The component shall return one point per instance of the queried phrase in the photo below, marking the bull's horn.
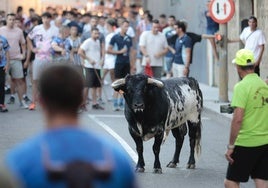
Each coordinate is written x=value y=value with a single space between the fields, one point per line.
x=118 y=83
x=155 y=82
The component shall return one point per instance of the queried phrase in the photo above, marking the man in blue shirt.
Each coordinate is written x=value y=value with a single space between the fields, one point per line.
x=120 y=45
x=183 y=47
x=4 y=64
x=53 y=158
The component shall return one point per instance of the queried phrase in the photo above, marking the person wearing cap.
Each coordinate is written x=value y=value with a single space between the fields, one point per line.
x=254 y=39
x=247 y=150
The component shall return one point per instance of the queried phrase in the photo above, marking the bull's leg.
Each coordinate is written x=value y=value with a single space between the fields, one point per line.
x=195 y=136
x=156 y=149
x=139 y=148
x=179 y=134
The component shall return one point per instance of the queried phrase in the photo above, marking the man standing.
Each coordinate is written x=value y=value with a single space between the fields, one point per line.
x=86 y=35
x=16 y=40
x=154 y=47
x=41 y=35
x=169 y=32
x=109 y=60
x=91 y=53
x=123 y=44
x=53 y=158
x=247 y=151
x=254 y=40
x=183 y=48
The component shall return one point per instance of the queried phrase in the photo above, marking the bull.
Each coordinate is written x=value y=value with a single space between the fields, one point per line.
x=154 y=107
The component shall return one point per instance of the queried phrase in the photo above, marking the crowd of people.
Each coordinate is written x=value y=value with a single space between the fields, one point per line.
x=94 y=45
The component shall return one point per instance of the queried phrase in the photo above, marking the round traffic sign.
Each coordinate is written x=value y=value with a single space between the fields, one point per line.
x=221 y=11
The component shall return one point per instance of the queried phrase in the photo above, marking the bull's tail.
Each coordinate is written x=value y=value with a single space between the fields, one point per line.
x=197 y=148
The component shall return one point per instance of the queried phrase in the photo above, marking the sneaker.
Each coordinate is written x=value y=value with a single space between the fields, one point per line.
x=116 y=109
x=26 y=99
x=121 y=107
x=3 y=108
x=32 y=106
x=7 y=91
x=97 y=107
x=100 y=101
x=11 y=100
x=23 y=104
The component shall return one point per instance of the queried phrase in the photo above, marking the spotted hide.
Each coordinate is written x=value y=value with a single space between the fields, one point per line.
x=155 y=107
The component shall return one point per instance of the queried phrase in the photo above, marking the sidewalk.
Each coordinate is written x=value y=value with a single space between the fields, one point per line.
x=211 y=99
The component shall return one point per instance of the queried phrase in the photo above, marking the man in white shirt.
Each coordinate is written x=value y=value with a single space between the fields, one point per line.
x=42 y=36
x=254 y=40
x=91 y=53
x=153 y=46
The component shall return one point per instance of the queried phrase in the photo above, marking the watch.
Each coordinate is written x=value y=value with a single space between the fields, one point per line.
x=230 y=146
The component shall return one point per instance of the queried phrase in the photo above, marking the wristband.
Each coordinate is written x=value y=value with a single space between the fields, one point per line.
x=230 y=146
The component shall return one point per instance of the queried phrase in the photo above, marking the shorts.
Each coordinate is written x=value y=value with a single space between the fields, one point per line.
x=121 y=70
x=168 y=64
x=109 y=64
x=212 y=30
x=177 y=70
x=92 y=80
x=16 y=69
x=38 y=66
x=248 y=161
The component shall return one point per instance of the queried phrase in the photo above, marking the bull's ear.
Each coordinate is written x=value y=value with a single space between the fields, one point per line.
x=119 y=84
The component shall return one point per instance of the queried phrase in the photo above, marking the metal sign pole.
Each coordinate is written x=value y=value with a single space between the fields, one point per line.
x=222 y=11
x=223 y=67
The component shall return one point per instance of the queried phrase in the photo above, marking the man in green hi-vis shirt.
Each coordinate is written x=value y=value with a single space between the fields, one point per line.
x=247 y=151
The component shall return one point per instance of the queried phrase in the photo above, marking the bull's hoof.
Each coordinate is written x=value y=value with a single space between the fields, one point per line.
x=157 y=170
x=172 y=165
x=140 y=170
x=191 y=166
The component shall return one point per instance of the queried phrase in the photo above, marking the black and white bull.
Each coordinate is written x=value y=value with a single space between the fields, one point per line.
x=155 y=107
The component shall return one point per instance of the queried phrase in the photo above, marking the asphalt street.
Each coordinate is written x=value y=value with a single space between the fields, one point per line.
x=19 y=124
